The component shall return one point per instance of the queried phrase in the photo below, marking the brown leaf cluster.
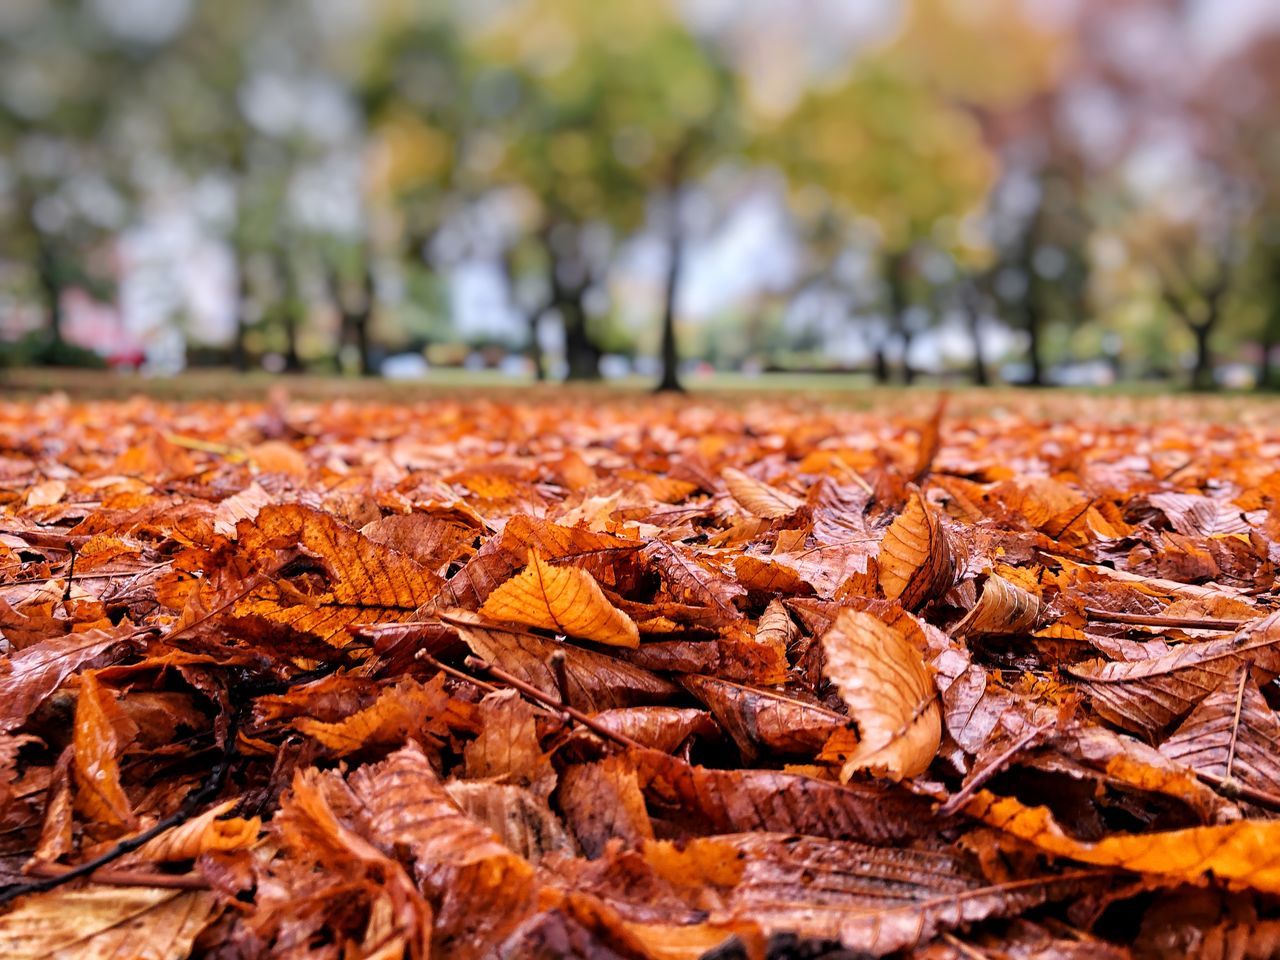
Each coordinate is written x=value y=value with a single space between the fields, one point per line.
x=496 y=679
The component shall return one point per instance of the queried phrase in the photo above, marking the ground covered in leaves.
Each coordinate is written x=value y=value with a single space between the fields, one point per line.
x=636 y=680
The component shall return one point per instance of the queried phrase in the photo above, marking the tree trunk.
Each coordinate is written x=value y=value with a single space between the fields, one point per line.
x=582 y=356
x=567 y=293
x=1270 y=340
x=895 y=267
x=908 y=371
x=360 y=320
x=239 y=349
x=534 y=350
x=972 y=301
x=289 y=315
x=880 y=365
x=1202 y=372
x=670 y=382
x=1031 y=313
x=50 y=280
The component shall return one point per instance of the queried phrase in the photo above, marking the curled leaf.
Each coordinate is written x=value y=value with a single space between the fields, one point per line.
x=208 y=831
x=915 y=557
x=1002 y=609
x=890 y=694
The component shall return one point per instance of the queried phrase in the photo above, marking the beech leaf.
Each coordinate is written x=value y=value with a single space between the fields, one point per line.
x=891 y=698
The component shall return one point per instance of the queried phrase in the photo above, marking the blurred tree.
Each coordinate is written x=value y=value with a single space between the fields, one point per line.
x=884 y=145
x=68 y=136
x=612 y=105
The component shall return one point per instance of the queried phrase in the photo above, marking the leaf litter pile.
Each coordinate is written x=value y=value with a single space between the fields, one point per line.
x=633 y=680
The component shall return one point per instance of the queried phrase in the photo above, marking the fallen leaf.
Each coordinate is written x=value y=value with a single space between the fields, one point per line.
x=891 y=697
x=564 y=599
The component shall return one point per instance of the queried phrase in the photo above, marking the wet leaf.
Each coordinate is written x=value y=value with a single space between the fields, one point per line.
x=149 y=923
x=1241 y=853
x=915 y=556
x=564 y=599
x=891 y=697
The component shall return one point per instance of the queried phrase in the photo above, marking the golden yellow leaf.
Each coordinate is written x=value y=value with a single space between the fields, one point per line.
x=757 y=497
x=94 y=922
x=408 y=708
x=1242 y=853
x=564 y=599
x=201 y=834
x=891 y=696
x=915 y=559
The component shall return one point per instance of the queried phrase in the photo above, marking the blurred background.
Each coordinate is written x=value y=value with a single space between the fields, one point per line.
x=1077 y=192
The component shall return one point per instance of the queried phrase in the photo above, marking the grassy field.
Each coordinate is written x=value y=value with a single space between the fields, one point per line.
x=1138 y=401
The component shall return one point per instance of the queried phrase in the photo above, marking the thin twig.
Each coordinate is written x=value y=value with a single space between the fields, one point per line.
x=958 y=800
x=529 y=690
x=71 y=572
x=1235 y=724
x=455 y=672
x=125 y=878
x=1234 y=788
x=1158 y=620
x=209 y=789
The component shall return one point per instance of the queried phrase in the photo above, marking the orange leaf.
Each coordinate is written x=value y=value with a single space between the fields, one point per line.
x=102 y=730
x=915 y=558
x=891 y=696
x=1243 y=853
x=564 y=599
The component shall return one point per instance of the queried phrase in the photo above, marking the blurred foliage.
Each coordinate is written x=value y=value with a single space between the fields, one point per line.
x=1035 y=181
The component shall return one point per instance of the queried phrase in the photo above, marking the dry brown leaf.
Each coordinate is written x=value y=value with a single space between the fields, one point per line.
x=365 y=580
x=1003 y=609
x=703 y=800
x=602 y=801
x=564 y=599
x=915 y=556
x=1232 y=735
x=1147 y=696
x=478 y=887
x=520 y=819
x=766 y=719
x=891 y=697
x=507 y=747
x=595 y=681
x=759 y=498
x=97 y=921
x=421 y=710
x=37 y=671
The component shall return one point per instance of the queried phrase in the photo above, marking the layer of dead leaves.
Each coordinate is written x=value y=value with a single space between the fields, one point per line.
x=637 y=681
